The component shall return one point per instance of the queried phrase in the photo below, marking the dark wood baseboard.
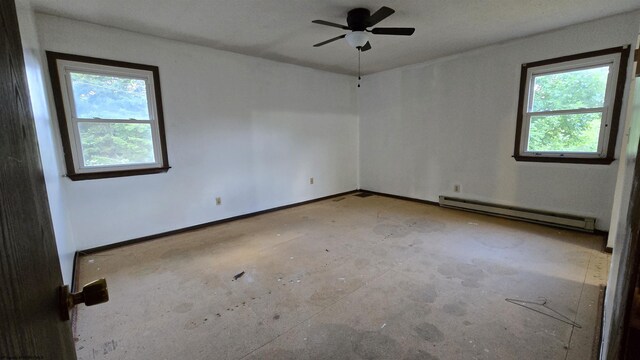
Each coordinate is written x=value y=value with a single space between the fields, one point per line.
x=603 y=233
x=434 y=203
x=200 y=226
x=608 y=250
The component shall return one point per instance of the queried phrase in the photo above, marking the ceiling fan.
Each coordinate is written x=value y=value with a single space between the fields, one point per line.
x=358 y=21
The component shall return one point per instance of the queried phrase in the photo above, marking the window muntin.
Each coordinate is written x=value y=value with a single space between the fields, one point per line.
x=568 y=107
x=112 y=117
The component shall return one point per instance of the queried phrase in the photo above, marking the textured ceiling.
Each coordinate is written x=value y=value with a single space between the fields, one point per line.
x=281 y=30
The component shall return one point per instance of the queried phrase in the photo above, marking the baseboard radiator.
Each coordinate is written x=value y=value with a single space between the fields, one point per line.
x=581 y=223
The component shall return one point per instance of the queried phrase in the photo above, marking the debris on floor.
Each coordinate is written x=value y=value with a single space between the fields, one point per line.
x=238 y=276
x=388 y=280
x=542 y=302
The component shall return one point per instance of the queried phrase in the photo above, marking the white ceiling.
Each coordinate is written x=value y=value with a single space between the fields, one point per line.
x=281 y=30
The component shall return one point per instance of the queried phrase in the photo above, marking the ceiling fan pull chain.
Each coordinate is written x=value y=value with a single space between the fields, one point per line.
x=359 y=51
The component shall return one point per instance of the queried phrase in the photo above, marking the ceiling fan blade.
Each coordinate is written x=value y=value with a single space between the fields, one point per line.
x=393 y=31
x=379 y=15
x=322 y=22
x=366 y=47
x=330 y=40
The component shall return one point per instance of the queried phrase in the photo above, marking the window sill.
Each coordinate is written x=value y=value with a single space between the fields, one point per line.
x=119 y=173
x=563 y=159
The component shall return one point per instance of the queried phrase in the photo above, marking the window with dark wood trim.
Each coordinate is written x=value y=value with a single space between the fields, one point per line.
x=110 y=116
x=569 y=107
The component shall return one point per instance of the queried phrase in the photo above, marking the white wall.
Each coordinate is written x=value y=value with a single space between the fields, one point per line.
x=253 y=131
x=46 y=132
x=248 y=130
x=426 y=127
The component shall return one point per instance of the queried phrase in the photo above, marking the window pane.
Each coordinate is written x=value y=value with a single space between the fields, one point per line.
x=565 y=133
x=109 y=97
x=116 y=144
x=578 y=89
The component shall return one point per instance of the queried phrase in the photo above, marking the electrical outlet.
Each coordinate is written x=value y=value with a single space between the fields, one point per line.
x=311 y=180
x=457 y=188
x=218 y=201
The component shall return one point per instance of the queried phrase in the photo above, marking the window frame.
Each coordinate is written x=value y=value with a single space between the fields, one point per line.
x=618 y=58
x=60 y=64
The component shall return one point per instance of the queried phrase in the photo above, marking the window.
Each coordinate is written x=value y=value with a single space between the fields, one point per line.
x=110 y=116
x=569 y=107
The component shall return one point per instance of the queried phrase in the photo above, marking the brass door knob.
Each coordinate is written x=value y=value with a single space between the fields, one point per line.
x=93 y=293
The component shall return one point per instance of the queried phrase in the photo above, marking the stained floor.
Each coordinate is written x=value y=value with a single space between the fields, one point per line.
x=349 y=278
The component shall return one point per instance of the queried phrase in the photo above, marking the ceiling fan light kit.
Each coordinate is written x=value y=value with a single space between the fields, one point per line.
x=357 y=39
x=358 y=21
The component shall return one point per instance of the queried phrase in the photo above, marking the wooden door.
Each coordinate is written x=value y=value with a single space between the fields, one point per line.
x=631 y=330
x=30 y=325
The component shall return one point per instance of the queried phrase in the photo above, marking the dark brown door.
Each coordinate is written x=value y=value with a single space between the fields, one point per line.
x=632 y=316
x=30 y=325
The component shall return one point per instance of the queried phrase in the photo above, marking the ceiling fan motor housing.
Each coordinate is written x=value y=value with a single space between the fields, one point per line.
x=357 y=19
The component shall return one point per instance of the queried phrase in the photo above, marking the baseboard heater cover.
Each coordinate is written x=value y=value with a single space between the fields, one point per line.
x=536 y=216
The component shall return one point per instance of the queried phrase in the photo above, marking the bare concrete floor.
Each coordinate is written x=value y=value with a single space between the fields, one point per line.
x=348 y=278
